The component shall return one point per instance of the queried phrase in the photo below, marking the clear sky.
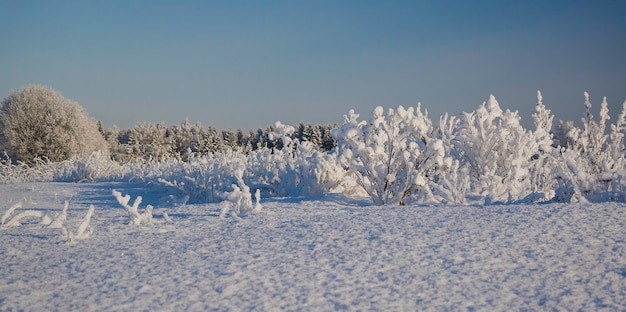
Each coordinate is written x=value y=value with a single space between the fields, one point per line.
x=245 y=64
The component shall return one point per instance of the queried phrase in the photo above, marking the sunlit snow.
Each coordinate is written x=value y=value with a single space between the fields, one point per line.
x=319 y=253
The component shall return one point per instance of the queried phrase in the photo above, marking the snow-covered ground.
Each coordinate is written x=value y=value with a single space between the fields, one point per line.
x=318 y=254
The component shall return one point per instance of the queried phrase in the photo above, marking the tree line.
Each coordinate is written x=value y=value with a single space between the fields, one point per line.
x=148 y=140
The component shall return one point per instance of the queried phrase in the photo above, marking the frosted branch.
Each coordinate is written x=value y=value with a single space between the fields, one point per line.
x=8 y=213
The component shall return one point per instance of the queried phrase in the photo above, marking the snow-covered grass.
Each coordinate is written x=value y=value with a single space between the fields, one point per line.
x=320 y=253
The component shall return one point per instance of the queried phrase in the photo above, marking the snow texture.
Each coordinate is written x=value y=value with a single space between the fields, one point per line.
x=324 y=253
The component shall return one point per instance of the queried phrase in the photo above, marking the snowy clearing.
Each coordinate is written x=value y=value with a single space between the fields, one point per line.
x=319 y=254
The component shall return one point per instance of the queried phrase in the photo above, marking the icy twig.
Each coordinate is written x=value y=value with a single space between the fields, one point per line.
x=59 y=220
x=257 y=197
x=133 y=211
x=167 y=218
x=8 y=213
x=45 y=220
x=26 y=214
x=85 y=224
x=84 y=229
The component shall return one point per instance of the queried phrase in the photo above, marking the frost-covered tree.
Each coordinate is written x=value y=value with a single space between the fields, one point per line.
x=392 y=155
x=38 y=121
x=230 y=138
x=117 y=139
x=328 y=143
x=182 y=138
x=148 y=140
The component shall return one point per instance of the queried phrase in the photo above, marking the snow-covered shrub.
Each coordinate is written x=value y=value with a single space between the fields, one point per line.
x=39 y=122
x=593 y=160
x=452 y=185
x=201 y=179
x=40 y=170
x=239 y=200
x=83 y=231
x=298 y=168
x=117 y=139
x=542 y=166
x=392 y=155
x=319 y=172
x=95 y=167
x=498 y=152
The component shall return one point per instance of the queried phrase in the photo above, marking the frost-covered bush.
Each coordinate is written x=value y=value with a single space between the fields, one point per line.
x=40 y=170
x=495 y=158
x=392 y=155
x=497 y=151
x=298 y=168
x=201 y=179
x=39 y=122
x=452 y=185
x=208 y=178
x=95 y=167
x=396 y=156
x=592 y=162
x=239 y=200
x=543 y=164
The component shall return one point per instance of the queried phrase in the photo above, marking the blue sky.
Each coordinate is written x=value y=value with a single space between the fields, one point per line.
x=246 y=64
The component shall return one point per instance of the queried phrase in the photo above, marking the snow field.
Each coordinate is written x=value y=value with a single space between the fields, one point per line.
x=322 y=254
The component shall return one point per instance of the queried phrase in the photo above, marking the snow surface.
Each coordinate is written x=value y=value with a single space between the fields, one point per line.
x=319 y=254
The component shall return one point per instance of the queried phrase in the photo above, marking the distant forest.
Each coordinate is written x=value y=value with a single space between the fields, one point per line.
x=155 y=141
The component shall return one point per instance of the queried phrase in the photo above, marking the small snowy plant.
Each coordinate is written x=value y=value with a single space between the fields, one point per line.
x=392 y=155
x=15 y=221
x=59 y=219
x=84 y=230
x=239 y=200
x=136 y=218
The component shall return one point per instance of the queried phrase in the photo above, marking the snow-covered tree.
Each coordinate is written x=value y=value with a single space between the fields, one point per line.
x=148 y=140
x=38 y=121
x=392 y=155
x=230 y=138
